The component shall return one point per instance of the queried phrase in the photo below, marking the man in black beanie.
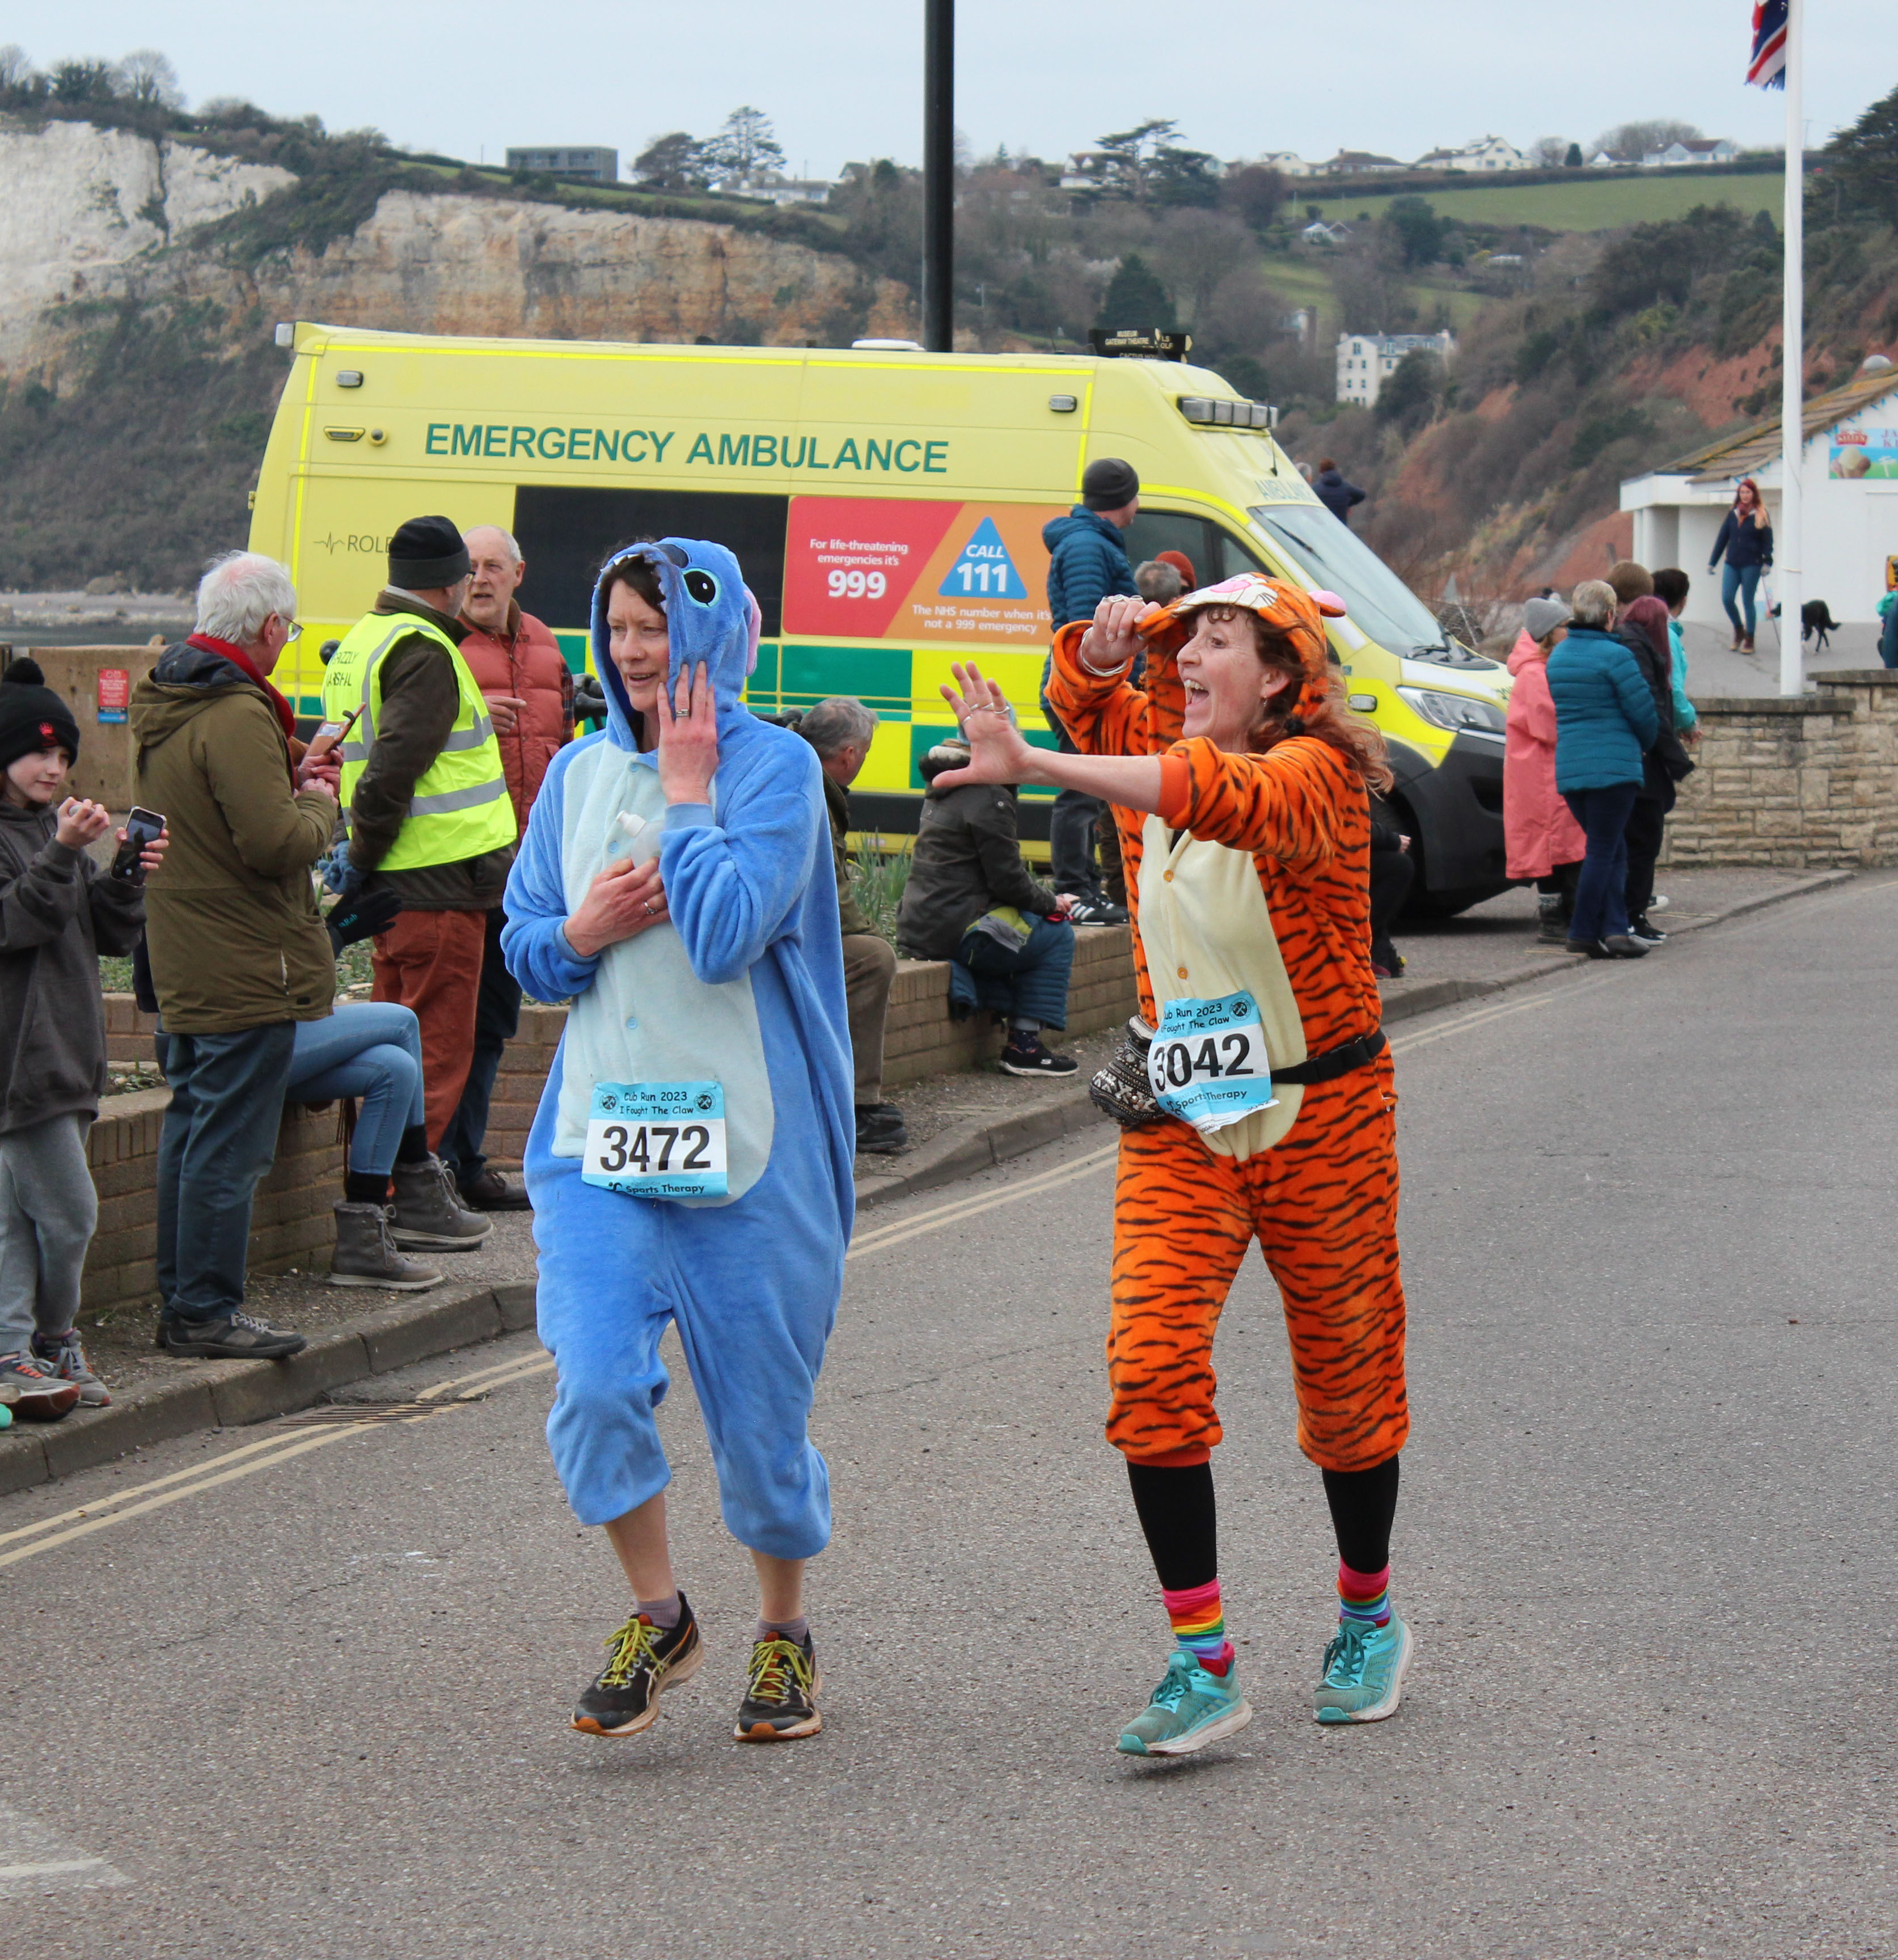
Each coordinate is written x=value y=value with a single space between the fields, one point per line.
x=1087 y=562
x=431 y=818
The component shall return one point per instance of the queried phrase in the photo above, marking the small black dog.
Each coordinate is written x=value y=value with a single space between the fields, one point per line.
x=1815 y=616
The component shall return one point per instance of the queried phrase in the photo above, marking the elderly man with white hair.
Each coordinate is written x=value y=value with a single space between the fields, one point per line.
x=237 y=951
x=518 y=666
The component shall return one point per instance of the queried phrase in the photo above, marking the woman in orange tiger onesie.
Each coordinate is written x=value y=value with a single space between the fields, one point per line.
x=1255 y=1091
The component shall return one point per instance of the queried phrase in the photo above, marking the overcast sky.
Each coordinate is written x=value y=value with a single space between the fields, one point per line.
x=843 y=80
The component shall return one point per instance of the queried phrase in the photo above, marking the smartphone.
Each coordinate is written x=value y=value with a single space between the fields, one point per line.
x=142 y=827
x=331 y=733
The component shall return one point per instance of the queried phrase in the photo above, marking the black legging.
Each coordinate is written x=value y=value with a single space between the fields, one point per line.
x=1180 y=1519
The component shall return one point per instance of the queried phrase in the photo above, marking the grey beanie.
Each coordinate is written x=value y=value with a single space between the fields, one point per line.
x=1108 y=483
x=1540 y=617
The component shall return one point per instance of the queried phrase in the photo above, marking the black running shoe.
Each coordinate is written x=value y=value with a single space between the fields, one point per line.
x=780 y=1696
x=642 y=1662
x=229 y=1336
x=1024 y=1055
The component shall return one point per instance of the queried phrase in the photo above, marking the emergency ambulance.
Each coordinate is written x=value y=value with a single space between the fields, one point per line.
x=887 y=505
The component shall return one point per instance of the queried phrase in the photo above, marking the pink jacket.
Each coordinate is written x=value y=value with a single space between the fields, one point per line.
x=1537 y=830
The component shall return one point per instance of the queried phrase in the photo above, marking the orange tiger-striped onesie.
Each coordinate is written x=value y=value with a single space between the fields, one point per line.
x=1321 y=1202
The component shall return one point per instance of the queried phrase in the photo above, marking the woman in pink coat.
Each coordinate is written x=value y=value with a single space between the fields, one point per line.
x=1543 y=841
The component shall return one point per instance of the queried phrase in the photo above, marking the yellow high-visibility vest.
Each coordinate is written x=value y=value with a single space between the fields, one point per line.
x=461 y=807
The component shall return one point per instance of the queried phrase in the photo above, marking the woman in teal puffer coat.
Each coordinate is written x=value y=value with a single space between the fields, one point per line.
x=1605 y=722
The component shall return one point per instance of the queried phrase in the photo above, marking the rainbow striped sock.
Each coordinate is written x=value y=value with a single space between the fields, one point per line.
x=1199 y=1625
x=1363 y=1596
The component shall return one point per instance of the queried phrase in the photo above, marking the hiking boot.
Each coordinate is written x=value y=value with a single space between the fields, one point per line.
x=644 y=1661
x=781 y=1693
x=880 y=1128
x=488 y=1190
x=1024 y=1055
x=1621 y=946
x=428 y=1214
x=64 y=1357
x=1364 y=1670
x=1553 y=926
x=228 y=1337
x=1189 y=1709
x=366 y=1253
x=33 y=1394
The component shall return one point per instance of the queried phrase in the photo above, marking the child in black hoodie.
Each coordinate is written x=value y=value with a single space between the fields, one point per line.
x=57 y=912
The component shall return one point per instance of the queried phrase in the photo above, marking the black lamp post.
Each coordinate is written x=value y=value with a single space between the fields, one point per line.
x=939 y=175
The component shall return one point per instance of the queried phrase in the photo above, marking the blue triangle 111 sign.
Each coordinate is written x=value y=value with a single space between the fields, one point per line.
x=984 y=569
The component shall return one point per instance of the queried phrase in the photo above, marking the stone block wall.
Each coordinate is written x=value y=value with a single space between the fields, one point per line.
x=291 y=1223
x=1809 y=782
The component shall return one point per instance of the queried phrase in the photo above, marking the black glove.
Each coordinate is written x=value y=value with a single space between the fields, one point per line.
x=362 y=916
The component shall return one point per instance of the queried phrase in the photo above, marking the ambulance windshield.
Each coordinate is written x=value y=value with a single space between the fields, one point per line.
x=1378 y=603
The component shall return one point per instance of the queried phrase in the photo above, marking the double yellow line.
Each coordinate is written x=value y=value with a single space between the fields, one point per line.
x=29 y=1541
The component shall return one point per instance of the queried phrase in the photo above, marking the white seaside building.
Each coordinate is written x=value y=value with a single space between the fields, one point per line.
x=1367 y=360
x=1482 y=153
x=1849 y=475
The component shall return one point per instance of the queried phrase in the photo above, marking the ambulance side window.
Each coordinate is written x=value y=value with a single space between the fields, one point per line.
x=1235 y=558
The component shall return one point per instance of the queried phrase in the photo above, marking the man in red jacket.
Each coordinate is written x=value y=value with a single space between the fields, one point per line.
x=520 y=669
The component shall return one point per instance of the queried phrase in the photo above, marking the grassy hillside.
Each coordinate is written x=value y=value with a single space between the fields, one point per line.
x=1642 y=197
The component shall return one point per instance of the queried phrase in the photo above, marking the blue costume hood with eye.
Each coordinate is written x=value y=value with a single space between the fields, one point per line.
x=710 y=616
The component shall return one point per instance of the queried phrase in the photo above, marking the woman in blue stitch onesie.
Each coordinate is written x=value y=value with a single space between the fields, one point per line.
x=691 y=1160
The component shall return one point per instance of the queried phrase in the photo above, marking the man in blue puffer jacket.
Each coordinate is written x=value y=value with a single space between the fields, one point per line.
x=1606 y=719
x=1087 y=562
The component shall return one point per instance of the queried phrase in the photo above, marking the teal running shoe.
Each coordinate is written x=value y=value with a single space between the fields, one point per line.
x=1364 y=1670
x=1190 y=1709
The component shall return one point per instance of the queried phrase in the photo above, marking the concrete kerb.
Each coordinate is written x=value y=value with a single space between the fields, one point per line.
x=228 y=1394
x=214 y=1395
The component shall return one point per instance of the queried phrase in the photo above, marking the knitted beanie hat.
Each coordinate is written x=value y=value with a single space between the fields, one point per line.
x=32 y=717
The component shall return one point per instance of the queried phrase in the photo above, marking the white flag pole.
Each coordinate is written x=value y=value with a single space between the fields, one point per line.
x=1788 y=546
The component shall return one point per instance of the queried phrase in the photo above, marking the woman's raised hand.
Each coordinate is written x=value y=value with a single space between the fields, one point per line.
x=622 y=902
x=1115 y=638
x=998 y=751
x=688 y=737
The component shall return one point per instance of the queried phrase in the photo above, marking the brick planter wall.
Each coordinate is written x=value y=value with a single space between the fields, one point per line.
x=1809 y=782
x=291 y=1223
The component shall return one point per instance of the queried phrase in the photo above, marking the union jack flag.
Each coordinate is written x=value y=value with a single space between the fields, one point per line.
x=1767 y=69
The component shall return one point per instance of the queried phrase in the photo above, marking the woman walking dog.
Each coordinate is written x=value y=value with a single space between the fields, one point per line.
x=1262 y=1106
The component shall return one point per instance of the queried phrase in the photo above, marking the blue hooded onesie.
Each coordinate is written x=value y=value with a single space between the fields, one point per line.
x=744 y=986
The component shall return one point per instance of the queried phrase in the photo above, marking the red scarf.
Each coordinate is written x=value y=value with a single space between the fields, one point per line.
x=242 y=661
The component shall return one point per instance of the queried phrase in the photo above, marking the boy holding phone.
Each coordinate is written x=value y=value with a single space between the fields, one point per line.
x=59 y=912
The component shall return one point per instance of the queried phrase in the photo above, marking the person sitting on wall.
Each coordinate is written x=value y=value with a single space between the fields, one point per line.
x=971 y=900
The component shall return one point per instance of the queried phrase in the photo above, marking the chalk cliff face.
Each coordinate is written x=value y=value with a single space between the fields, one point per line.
x=90 y=215
x=82 y=210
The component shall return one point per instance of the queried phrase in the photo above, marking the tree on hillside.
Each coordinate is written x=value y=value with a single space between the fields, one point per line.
x=1409 y=399
x=1193 y=251
x=1135 y=297
x=146 y=77
x=1413 y=231
x=15 y=70
x=1549 y=151
x=1631 y=142
x=674 y=162
x=76 y=83
x=1572 y=161
x=1255 y=193
x=745 y=146
x=1184 y=176
x=1657 y=265
x=1134 y=152
x=1861 y=162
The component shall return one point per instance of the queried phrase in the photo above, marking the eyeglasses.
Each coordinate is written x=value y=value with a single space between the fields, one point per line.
x=293 y=629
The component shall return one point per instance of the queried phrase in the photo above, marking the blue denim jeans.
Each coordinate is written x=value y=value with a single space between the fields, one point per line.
x=1601 y=903
x=1745 y=581
x=367 y=1048
x=218 y=1141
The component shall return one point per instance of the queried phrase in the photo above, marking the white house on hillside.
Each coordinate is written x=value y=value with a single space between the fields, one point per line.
x=1482 y=152
x=1319 y=233
x=1603 y=161
x=1709 y=150
x=1287 y=165
x=1848 y=474
x=1360 y=164
x=1367 y=360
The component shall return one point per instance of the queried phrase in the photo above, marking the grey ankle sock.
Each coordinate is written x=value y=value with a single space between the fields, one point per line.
x=797 y=1629
x=662 y=1613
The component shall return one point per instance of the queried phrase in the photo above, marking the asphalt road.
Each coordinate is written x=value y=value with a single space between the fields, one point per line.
x=318 y=1708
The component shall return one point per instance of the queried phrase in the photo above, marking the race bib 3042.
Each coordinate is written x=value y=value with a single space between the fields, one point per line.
x=656 y=1139
x=1208 y=1064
